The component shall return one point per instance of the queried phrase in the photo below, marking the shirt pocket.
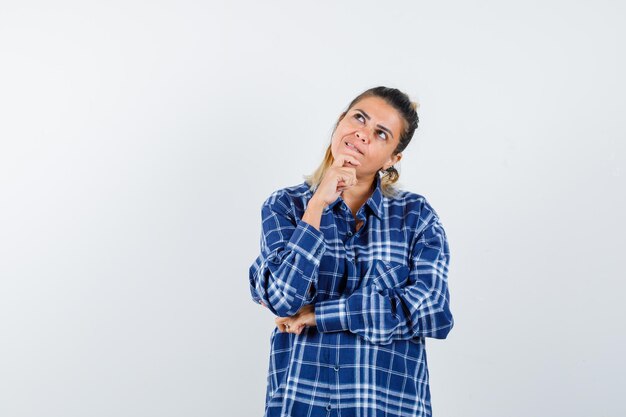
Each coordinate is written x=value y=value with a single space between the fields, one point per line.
x=392 y=274
x=386 y=274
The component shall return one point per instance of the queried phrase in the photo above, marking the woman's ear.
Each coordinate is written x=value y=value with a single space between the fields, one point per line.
x=394 y=159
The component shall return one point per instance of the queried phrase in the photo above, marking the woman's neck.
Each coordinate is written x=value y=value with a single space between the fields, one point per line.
x=358 y=194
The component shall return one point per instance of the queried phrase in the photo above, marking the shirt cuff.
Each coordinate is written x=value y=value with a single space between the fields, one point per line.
x=307 y=241
x=331 y=315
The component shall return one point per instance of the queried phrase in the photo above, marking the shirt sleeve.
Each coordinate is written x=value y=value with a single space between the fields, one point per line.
x=401 y=302
x=284 y=276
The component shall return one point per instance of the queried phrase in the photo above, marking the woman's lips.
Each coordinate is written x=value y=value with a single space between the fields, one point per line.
x=352 y=149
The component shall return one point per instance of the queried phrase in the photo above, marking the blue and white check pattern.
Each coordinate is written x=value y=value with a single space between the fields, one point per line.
x=378 y=293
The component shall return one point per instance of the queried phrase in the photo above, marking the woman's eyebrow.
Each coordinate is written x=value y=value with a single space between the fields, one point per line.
x=367 y=116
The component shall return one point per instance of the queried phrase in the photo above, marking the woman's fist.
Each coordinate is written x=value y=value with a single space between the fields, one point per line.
x=296 y=323
x=339 y=176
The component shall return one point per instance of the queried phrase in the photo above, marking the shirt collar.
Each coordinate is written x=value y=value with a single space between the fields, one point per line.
x=375 y=201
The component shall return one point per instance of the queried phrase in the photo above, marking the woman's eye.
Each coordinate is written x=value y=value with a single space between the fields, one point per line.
x=359 y=115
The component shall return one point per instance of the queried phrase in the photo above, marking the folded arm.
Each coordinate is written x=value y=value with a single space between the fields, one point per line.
x=400 y=302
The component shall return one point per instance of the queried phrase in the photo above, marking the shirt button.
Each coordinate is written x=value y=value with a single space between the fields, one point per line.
x=349 y=233
x=319 y=251
x=328 y=407
x=337 y=368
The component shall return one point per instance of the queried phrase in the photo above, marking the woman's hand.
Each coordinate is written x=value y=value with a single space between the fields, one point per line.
x=339 y=176
x=294 y=324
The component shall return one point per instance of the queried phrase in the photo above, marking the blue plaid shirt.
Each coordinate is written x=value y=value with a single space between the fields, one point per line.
x=378 y=293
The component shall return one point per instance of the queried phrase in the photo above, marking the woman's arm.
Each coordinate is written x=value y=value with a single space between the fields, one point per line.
x=284 y=276
x=418 y=307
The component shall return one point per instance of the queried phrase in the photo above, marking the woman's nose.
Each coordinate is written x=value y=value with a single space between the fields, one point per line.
x=361 y=136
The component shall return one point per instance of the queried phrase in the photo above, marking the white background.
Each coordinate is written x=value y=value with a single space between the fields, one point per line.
x=138 y=140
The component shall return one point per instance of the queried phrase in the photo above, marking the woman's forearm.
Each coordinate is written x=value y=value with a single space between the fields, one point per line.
x=313 y=212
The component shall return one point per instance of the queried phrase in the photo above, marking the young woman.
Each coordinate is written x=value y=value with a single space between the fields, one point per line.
x=356 y=271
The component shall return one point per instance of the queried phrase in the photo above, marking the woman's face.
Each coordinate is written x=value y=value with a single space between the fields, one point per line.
x=374 y=128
